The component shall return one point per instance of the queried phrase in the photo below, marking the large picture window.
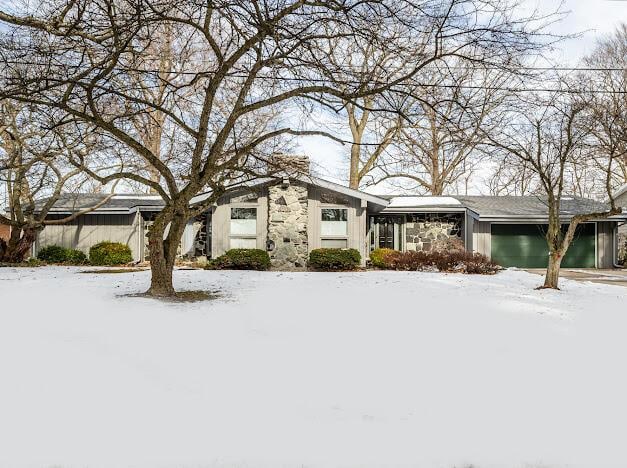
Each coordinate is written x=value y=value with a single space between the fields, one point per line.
x=334 y=222
x=243 y=230
x=334 y=228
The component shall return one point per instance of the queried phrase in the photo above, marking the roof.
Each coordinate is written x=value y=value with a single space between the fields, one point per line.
x=404 y=201
x=375 y=199
x=308 y=179
x=482 y=207
x=125 y=203
x=527 y=206
x=72 y=202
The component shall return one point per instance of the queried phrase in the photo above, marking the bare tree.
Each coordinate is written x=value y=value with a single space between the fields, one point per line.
x=549 y=136
x=35 y=161
x=442 y=142
x=248 y=61
x=607 y=102
x=374 y=121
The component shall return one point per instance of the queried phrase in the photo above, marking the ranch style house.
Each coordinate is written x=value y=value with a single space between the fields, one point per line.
x=290 y=216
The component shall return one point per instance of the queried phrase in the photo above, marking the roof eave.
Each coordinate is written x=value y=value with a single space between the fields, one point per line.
x=422 y=209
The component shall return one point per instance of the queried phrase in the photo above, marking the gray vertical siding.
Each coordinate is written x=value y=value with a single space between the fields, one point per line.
x=605 y=244
x=221 y=222
x=90 y=229
x=468 y=232
x=482 y=238
x=357 y=222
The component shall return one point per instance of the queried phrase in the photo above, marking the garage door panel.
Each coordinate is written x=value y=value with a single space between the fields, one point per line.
x=524 y=246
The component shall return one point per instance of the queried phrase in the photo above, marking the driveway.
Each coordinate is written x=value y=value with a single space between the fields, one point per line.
x=616 y=277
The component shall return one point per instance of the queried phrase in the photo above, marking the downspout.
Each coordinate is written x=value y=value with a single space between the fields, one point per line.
x=615 y=246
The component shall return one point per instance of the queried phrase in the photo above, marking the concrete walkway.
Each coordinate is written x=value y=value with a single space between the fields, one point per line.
x=616 y=277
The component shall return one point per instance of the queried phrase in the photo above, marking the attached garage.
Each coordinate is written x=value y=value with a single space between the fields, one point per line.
x=524 y=246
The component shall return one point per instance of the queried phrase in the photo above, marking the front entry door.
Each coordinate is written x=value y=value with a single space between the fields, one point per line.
x=386 y=232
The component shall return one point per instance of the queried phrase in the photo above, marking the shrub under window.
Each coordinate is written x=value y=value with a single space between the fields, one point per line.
x=241 y=259
x=110 y=253
x=334 y=259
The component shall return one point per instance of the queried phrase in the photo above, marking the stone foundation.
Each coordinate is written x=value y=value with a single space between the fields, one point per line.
x=425 y=231
x=287 y=225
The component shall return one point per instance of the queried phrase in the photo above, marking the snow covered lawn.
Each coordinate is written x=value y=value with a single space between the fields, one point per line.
x=378 y=369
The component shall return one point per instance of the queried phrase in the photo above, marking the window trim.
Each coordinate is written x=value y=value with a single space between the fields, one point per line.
x=240 y=236
x=332 y=206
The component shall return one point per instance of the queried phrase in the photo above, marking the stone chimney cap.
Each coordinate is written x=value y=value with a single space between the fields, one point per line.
x=289 y=163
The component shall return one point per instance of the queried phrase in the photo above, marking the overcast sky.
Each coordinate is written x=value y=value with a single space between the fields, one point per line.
x=592 y=18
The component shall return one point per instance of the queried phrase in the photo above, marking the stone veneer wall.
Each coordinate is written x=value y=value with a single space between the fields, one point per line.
x=423 y=230
x=287 y=225
x=200 y=237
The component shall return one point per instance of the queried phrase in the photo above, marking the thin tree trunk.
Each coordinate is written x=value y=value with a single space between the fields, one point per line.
x=163 y=251
x=552 y=277
x=354 y=167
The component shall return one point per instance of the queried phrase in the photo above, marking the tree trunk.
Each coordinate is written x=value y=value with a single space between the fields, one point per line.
x=19 y=245
x=354 y=181
x=552 y=277
x=163 y=250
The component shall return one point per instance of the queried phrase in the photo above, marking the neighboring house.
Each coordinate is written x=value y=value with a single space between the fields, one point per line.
x=292 y=216
x=5 y=231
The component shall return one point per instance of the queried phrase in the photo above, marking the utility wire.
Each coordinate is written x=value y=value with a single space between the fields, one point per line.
x=348 y=82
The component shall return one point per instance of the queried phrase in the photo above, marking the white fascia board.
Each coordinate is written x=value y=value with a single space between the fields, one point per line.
x=422 y=209
x=98 y=211
x=137 y=208
x=344 y=190
x=541 y=219
x=621 y=191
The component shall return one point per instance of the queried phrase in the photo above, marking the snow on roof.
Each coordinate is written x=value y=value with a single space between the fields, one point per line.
x=409 y=201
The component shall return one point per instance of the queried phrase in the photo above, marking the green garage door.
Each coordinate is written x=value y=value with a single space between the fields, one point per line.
x=524 y=246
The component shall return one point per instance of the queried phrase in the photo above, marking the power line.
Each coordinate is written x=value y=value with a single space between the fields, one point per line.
x=431 y=66
x=356 y=82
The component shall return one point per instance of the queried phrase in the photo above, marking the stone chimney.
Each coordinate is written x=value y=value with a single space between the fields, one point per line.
x=289 y=163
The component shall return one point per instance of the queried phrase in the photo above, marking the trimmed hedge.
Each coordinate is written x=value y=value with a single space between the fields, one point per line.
x=377 y=257
x=76 y=257
x=334 y=259
x=452 y=261
x=110 y=253
x=52 y=254
x=241 y=259
x=58 y=254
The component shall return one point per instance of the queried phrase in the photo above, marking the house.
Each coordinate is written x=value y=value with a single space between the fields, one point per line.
x=5 y=231
x=290 y=216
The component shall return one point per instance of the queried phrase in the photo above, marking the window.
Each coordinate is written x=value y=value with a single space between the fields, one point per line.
x=334 y=243
x=243 y=243
x=334 y=222
x=334 y=228
x=243 y=228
